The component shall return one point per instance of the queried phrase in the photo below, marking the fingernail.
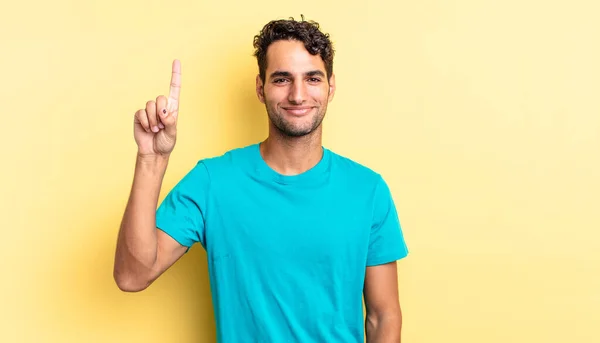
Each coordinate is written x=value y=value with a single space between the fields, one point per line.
x=155 y=129
x=160 y=125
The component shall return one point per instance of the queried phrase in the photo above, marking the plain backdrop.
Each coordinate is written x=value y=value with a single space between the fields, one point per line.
x=483 y=116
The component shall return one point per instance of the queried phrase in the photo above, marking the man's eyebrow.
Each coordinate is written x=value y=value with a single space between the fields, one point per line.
x=311 y=73
x=280 y=74
x=315 y=73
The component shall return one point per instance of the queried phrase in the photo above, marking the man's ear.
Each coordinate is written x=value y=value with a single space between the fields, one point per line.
x=260 y=89
x=331 y=87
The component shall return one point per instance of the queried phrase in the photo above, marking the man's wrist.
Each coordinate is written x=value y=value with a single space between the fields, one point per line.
x=152 y=158
x=153 y=162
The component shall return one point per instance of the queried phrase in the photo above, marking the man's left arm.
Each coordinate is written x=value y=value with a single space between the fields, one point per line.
x=383 y=321
x=386 y=246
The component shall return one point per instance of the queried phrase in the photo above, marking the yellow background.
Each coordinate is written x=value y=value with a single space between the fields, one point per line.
x=484 y=117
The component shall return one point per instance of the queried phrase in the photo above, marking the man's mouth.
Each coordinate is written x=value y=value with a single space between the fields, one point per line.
x=298 y=111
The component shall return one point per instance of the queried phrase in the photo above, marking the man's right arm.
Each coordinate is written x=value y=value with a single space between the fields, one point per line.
x=143 y=251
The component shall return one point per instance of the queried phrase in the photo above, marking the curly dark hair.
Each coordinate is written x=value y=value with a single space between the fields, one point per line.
x=307 y=32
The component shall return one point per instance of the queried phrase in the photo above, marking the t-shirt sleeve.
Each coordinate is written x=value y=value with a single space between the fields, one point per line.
x=386 y=243
x=181 y=214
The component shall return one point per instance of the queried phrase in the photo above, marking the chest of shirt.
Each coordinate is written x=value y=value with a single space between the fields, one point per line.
x=316 y=225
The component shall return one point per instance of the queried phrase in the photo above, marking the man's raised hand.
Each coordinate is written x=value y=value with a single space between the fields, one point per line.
x=155 y=126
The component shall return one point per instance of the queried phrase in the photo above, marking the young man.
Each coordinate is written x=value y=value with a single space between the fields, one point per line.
x=295 y=234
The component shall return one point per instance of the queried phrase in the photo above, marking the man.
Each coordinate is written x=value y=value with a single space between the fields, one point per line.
x=295 y=234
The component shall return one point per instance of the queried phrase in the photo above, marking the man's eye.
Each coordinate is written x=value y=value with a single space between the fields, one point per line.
x=279 y=80
x=314 y=79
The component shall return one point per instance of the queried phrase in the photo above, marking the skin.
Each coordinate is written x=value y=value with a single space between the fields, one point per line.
x=383 y=322
x=296 y=93
x=143 y=253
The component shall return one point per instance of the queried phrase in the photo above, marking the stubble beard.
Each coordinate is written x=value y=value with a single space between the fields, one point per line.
x=288 y=129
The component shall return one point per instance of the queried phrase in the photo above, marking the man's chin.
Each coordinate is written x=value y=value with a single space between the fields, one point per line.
x=288 y=129
x=295 y=133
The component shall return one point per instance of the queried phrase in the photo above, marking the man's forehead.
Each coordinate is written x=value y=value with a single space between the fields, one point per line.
x=292 y=56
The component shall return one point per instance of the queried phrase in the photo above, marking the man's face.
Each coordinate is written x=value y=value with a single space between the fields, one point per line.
x=296 y=91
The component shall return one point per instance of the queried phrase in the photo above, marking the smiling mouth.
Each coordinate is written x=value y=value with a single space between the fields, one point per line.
x=297 y=111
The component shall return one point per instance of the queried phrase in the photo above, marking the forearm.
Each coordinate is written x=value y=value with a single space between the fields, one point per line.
x=383 y=328
x=137 y=246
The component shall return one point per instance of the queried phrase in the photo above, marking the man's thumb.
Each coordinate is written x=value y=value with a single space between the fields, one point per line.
x=169 y=120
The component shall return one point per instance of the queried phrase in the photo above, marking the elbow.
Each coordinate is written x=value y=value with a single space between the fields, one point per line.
x=384 y=326
x=393 y=318
x=130 y=287
x=129 y=283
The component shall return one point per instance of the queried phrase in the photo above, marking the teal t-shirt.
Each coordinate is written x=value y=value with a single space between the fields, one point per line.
x=287 y=255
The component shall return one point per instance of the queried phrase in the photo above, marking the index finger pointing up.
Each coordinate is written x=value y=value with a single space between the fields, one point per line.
x=175 y=81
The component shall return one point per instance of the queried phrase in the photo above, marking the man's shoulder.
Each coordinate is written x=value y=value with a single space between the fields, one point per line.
x=354 y=169
x=223 y=161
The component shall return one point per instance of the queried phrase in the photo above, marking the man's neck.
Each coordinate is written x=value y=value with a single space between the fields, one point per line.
x=292 y=155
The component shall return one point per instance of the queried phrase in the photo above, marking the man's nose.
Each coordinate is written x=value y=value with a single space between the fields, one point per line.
x=297 y=93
